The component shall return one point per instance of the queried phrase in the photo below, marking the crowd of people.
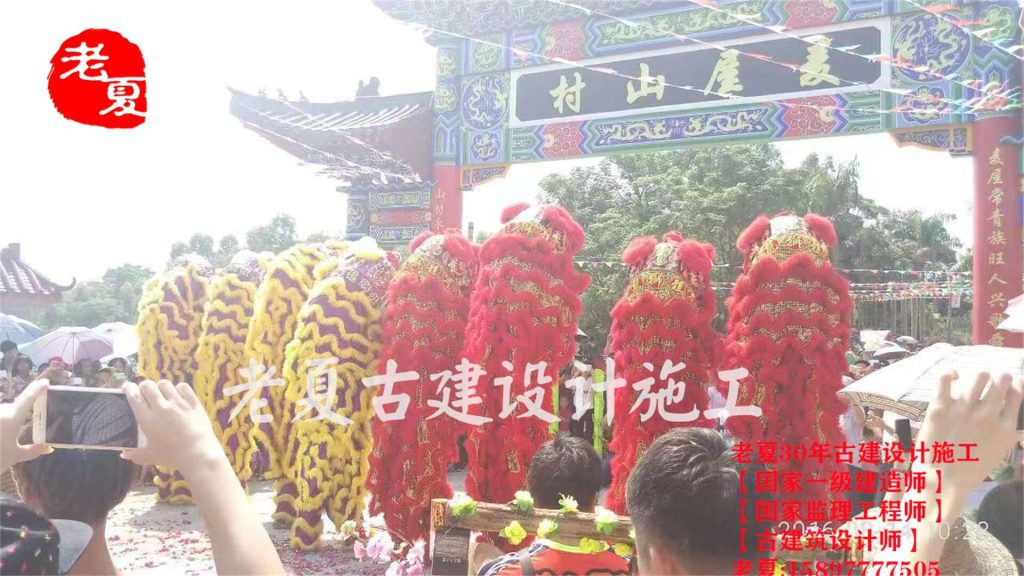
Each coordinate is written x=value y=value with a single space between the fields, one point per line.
x=685 y=495
x=17 y=370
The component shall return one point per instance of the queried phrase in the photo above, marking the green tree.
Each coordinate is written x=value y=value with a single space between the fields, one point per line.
x=124 y=285
x=201 y=244
x=226 y=250
x=178 y=249
x=277 y=236
x=712 y=195
x=114 y=298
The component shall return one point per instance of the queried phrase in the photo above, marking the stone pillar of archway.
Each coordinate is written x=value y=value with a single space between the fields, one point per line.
x=447 y=202
x=998 y=217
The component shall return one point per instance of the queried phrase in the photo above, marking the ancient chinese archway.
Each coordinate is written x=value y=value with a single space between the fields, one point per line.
x=535 y=80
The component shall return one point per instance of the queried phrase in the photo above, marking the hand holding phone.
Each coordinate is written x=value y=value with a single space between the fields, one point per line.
x=178 y=430
x=89 y=418
x=13 y=416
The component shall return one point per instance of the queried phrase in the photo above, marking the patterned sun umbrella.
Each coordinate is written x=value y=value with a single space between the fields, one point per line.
x=908 y=385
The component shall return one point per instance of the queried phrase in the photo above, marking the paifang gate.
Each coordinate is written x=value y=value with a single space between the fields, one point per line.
x=534 y=80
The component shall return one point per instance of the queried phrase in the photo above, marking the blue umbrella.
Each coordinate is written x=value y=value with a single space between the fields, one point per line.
x=18 y=330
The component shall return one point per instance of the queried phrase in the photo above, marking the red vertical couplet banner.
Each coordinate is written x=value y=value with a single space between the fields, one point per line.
x=98 y=77
x=998 y=257
x=447 y=201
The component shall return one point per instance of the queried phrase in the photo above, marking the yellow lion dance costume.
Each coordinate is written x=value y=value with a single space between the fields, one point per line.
x=169 y=324
x=337 y=343
x=276 y=307
x=221 y=355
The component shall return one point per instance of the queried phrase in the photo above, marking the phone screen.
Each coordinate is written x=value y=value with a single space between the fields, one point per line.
x=87 y=417
x=903 y=433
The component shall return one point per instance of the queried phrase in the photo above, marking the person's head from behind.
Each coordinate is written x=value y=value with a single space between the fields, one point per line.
x=9 y=350
x=23 y=367
x=566 y=466
x=82 y=485
x=684 y=500
x=1002 y=511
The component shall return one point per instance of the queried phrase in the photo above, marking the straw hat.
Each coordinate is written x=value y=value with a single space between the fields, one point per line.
x=970 y=550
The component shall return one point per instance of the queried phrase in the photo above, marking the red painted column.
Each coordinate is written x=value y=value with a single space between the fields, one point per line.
x=447 y=201
x=998 y=257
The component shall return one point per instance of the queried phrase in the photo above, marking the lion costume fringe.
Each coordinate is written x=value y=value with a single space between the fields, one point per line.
x=276 y=307
x=523 y=311
x=169 y=325
x=665 y=314
x=221 y=354
x=424 y=328
x=337 y=338
x=789 y=326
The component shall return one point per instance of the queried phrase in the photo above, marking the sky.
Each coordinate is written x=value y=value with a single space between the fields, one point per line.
x=82 y=199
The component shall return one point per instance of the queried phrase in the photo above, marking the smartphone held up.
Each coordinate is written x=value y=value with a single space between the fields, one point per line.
x=88 y=418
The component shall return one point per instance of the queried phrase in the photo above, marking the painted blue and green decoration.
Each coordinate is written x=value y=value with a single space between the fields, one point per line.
x=584 y=81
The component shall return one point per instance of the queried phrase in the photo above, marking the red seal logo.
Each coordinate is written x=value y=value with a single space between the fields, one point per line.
x=98 y=77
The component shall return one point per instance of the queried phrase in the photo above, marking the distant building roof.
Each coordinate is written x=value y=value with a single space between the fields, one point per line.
x=19 y=279
x=371 y=141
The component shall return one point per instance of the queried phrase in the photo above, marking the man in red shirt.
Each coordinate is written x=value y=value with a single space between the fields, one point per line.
x=564 y=466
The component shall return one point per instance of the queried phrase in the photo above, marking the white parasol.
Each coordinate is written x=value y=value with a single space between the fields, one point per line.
x=71 y=344
x=874 y=339
x=890 y=351
x=907 y=386
x=123 y=337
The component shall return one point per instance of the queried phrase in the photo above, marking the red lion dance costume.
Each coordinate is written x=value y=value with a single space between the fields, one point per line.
x=665 y=313
x=523 y=310
x=789 y=326
x=169 y=325
x=424 y=328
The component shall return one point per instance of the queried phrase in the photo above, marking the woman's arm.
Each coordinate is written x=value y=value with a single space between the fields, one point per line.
x=179 y=435
x=13 y=416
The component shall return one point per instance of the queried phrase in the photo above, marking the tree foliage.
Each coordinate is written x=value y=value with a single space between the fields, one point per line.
x=112 y=299
x=201 y=244
x=226 y=250
x=713 y=194
x=277 y=236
